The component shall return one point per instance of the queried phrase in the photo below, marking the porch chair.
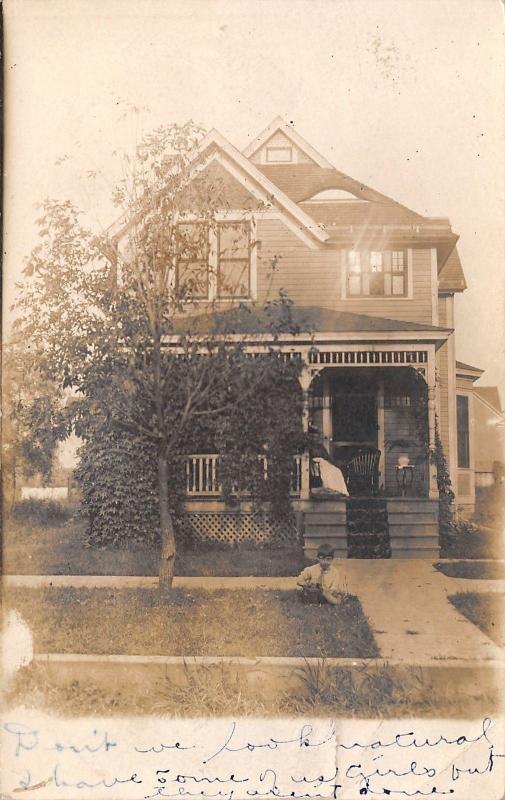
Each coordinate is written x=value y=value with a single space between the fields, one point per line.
x=363 y=472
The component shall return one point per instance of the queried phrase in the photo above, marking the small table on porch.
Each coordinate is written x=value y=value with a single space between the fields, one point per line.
x=404 y=477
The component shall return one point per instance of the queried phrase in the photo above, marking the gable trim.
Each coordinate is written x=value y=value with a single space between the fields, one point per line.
x=246 y=173
x=261 y=196
x=274 y=194
x=278 y=124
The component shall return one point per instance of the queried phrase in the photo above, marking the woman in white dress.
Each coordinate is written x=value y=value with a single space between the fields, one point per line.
x=332 y=479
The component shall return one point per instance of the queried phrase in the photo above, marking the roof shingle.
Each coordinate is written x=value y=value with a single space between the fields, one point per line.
x=248 y=319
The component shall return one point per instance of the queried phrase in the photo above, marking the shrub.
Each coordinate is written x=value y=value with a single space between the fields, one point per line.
x=42 y=512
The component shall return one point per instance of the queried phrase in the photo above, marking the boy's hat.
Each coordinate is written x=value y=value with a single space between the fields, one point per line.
x=325 y=550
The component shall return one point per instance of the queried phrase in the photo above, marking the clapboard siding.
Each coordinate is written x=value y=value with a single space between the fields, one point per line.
x=442 y=364
x=313 y=277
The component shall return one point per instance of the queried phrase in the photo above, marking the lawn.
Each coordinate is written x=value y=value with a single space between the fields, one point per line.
x=478 y=543
x=62 y=550
x=486 y=611
x=197 y=623
x=217 y=692
x=473 y=570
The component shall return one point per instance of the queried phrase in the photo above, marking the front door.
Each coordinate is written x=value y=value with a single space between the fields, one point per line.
x=354 y=423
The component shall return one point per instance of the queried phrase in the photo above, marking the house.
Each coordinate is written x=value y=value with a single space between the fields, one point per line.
x=373 y=286
x=481 y=445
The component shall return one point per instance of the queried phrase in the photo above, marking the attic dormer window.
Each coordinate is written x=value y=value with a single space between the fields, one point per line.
x=279 y=155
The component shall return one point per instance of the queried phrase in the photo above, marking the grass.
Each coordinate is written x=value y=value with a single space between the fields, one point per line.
x=368 y=693
x=473 y=570
x=197 y=623
x=31 y=549
x=485 y=611
x=42 y=512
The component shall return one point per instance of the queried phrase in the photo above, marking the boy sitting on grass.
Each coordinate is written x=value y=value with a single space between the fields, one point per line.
x=319 y=583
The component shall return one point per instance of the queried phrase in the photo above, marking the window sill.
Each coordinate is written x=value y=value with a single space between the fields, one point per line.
x=378 y=297
x=221 y=300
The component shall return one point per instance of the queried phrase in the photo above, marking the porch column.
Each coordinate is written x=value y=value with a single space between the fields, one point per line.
x=305 y=379
x=381 y=434
x=432 y=411
x=327 y=427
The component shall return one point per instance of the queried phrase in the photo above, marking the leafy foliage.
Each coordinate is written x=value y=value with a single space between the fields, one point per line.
x=117 y=471
x=45 y=513
x=101 y=311
x=33 y=418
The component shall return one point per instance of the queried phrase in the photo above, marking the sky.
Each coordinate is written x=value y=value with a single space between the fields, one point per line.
x=405 y=96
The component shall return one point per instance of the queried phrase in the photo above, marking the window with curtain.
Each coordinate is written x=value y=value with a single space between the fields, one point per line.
x=376 y=273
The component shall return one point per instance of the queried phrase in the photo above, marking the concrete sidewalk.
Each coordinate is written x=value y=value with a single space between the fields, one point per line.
x=406 y=604
x=405 y=601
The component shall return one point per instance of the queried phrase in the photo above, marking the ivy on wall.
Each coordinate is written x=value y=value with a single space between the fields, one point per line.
x=117 y=469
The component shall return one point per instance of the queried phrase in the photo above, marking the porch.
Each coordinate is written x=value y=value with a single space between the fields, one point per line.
x=373 y=425
x=359 y=526
x=372 y=391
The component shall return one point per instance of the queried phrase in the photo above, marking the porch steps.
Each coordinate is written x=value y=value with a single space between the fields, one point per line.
x=325 y=523
x=367 y=528
x=413 y=527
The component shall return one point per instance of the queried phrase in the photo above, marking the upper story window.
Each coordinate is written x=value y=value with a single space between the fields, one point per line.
x=376 y=273
x=279 y=155
x=193 y=261
x=214 y=262
x=234 y=260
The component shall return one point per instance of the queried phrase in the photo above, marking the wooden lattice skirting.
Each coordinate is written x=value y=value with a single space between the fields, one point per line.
x=232 y=528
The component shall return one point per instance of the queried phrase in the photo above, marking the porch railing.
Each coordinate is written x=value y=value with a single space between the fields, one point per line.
x=202 y=475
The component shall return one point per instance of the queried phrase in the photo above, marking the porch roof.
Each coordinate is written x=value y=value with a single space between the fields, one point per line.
x=280 y=319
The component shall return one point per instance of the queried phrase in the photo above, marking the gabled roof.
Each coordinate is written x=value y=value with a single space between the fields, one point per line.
x=490 y=395
x=289 y=187
x=248 y=319
x=360 y=213
x=451 y=277
x=301 y=182
x=467 y=371
x=214 y=143
x=278 y=124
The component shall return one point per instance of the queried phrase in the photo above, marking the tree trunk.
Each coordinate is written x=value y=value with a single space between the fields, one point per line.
x=167 y=553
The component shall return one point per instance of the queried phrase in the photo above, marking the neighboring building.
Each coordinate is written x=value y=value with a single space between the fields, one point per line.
x=373 y=284
x=480 y=437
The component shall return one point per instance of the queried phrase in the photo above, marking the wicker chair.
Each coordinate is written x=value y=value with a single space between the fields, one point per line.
x=363 y=472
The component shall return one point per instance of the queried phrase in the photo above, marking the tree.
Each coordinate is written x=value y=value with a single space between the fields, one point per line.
x=104 y=311
x=33 y=419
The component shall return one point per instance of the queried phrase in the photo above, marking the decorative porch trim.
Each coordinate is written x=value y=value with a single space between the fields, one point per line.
x=369 y=358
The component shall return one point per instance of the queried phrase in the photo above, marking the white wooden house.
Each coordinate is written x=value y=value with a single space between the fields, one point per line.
x=373 y=286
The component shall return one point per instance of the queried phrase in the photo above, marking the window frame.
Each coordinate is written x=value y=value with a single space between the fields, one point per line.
x=228 y=218
x=204 y=261
x=360 y=269
x=463 y=444
x=228 y=260
x=272 y=148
